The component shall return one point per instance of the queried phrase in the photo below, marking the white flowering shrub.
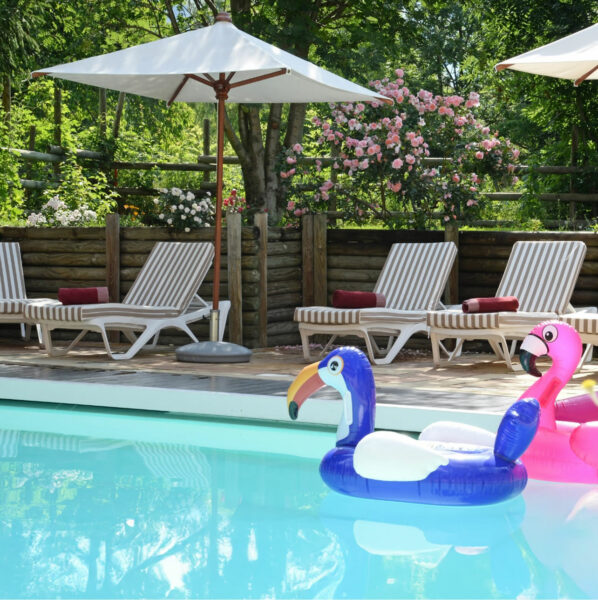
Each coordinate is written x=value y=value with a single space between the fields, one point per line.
x=182 y=210
x=56 y=213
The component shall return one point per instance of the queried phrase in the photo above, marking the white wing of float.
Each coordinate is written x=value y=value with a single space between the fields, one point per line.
x=450 y=431
x=391 y=456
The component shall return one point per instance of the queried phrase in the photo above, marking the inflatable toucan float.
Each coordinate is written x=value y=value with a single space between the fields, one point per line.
x=450 y=463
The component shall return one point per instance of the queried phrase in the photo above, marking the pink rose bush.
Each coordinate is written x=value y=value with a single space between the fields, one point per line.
x=382 y=154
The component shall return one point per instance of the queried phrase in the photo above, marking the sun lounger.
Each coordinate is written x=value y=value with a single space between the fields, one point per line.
x=541 y=275
x=13 y=295
x=164 y=294
x=412 y=281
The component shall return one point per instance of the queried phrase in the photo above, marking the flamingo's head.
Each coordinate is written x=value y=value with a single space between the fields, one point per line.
x=558 y=340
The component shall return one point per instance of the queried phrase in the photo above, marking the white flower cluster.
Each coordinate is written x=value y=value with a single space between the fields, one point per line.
x=56 y=213
x=182 y=210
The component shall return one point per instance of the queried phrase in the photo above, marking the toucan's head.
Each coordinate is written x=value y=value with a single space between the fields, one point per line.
x=345 y=369
x=556 y=339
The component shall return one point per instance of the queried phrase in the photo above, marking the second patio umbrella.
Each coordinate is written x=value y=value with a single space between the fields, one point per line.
x=574 y=57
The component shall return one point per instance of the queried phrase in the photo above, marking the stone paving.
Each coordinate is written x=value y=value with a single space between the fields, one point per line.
x=473 y=382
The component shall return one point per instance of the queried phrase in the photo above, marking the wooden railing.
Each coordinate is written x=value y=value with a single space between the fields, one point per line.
x=207 y=165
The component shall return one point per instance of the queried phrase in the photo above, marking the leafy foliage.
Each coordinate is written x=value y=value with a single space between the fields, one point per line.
x=78 y=200
x=11 y=192
x=446 y=47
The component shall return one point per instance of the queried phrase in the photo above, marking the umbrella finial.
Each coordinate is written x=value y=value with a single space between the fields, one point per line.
x=223 y=17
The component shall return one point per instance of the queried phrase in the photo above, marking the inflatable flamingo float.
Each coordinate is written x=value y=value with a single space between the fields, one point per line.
x=561 y=450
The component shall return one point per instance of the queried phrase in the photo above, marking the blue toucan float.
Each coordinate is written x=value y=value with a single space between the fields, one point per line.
x=449 y=464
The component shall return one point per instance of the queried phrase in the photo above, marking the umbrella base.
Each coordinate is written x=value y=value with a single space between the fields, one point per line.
x=213 y=352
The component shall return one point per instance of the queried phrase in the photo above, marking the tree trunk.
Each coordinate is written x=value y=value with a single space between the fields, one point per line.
x=271 y=172
x=118 y=114
x=252 y=156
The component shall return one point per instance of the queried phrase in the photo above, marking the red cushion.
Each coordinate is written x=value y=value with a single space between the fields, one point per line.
x=347 y=299
x=495 y=304
x=91 y=295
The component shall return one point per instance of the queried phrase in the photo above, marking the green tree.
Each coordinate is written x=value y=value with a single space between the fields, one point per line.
x=353 y=37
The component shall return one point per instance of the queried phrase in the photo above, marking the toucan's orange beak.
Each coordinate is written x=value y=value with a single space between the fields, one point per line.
x=305 y=384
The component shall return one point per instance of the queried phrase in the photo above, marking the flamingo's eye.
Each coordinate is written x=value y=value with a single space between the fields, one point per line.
x=335 y=366
x=550 y=333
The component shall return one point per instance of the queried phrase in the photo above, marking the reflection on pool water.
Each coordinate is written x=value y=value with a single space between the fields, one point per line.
x=142 y=516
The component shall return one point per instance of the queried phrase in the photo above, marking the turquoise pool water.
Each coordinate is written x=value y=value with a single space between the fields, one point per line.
x=105 y=505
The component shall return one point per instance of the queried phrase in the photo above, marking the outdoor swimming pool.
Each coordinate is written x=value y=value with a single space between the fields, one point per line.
x=98 y=504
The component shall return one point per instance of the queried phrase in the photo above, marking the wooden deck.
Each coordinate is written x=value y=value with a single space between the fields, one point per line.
x=474 y=384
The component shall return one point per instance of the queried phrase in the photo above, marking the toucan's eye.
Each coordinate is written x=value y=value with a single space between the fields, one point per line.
x=335 y=366
x=550 y=333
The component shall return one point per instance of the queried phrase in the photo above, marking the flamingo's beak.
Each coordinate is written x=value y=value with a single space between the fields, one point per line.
x=305 y=384
x=532 y=347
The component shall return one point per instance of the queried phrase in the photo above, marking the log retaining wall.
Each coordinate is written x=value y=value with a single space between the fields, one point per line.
x=267 y=272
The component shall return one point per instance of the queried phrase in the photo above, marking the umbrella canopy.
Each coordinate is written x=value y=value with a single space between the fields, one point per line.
x=179 y=68
x=219 y=63
x=574 y=57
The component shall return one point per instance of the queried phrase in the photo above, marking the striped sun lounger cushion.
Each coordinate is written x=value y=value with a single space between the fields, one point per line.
x=12 y=280
x=542 y=275
x=414 y=275
x=12 y=307
x=326 y=315
x=454 y=319
x=412 y=280
x=163 y=288
x=372 y=316
x=585 y=323
x=171 y=275
x=78 y=312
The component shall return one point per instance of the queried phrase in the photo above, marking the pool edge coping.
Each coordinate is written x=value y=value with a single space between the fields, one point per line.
x=227 y=405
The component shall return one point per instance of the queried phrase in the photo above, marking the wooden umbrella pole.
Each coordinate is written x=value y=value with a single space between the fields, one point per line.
x=221 y=88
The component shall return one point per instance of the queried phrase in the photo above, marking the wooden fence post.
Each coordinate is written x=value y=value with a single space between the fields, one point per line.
x=261 y=222
x=307 y=250
x=57 y=124
x=29 y=169
x=235 y=284
x=320 y=260
x=113 y=264
x=113 y=256
x=451 y=296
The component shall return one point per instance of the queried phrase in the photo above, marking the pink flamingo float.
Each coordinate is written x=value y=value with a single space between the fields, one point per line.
x=561 y=450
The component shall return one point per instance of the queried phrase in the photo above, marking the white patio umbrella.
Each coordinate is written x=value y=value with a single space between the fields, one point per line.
x=219 y=63
x=574 y=57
